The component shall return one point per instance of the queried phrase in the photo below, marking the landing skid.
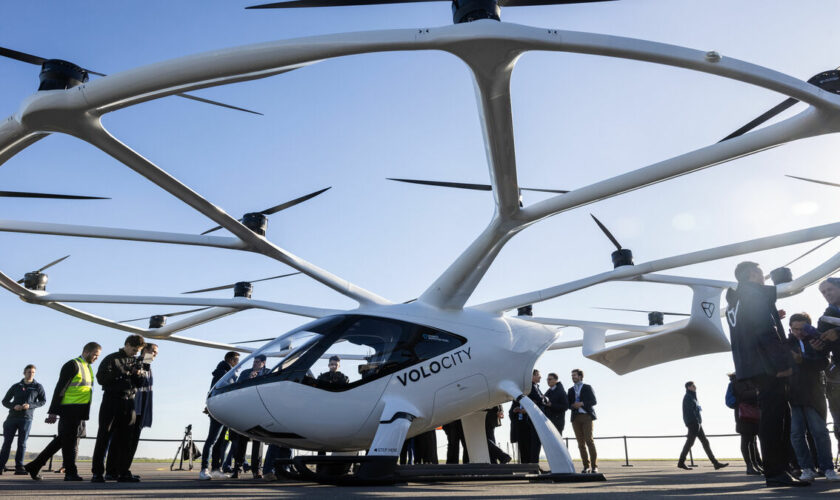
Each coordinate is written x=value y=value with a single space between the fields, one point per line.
x=378 y=470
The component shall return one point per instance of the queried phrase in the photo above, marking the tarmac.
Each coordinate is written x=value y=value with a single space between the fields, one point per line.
x=645 y=479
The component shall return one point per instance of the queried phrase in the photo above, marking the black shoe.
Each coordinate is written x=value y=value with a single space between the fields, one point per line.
x=127 y=478
x=110 y=477
x=73 y=477
x=97 y=478
x=235 y=474
x=20 y=472
x=753 y=472
x=257 y=475
x=721 y=465
x=33 y=471
x=505 y=460
x=785 y=479
x=682 y=465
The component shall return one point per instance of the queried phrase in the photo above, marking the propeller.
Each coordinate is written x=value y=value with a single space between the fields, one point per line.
x=277 y=208
x=827 y=80
x=621 y=256
x=232 y=285
x=783 y=274
x=475 y=187
x=24 y=194
x=39 y=61
x=56 y=261
x=642 y=311
x=814 y=180
x=253 y=341
x=462 y=10
x=178 y=313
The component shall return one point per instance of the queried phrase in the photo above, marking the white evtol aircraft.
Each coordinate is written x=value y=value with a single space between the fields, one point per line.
x=421 y=364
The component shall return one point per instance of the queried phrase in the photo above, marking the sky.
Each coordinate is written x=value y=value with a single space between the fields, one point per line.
x=349 y=123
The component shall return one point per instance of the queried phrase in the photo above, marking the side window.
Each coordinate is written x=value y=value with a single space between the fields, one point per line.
x=431 y=343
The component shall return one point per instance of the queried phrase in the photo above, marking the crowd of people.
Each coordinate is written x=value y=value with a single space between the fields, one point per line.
x=782 y=382
x=126 y=408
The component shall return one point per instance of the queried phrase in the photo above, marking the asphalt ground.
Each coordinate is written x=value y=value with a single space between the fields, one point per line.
x=646 y=479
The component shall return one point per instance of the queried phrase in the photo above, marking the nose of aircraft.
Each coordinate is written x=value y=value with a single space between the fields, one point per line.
x=240 y=409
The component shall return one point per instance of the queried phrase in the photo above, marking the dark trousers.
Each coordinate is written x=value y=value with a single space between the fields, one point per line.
x=531 y=453
x=212 y=445
x=241 y=447
x=497 y=456
x=70 y=429
x=559 y=422
x=775 y=413
x=695 y=431
x=12 y=425
x=111 y=462
x=454 y=438
x=116 y=416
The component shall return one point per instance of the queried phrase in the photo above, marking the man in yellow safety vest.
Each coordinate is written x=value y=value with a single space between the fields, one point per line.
x=70 y=406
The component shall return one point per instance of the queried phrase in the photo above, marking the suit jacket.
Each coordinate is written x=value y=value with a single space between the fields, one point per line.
x=587 y=397
x=691 y=410
x=559 y=402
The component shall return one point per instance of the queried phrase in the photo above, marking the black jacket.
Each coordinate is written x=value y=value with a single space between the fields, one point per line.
x=21 y=393
x=65 y=376
x=587 y=397
x=822 y=326
x=806 y=384
x=756 y=332
x=559 y=400
x=222 y=368
x=691 y=410
x=116 y=375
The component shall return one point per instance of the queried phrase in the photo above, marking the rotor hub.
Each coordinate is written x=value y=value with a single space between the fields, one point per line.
x=656 y=318
x=781 y=275
x=243 y=289
x=525 y=310
x=35 y=281
x=256 y=222
x=157 y=321
x=57 y=74
x=827 y=80
x=465 y=11
x=622 y=257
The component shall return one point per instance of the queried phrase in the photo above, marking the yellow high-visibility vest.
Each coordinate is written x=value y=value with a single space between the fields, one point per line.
x=81 y=386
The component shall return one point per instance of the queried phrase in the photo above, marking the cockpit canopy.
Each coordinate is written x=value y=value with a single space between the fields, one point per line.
x=368 y=347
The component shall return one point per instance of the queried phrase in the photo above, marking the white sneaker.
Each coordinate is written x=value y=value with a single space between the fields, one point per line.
x=217 y=474
x=832 y=475
x=807 y=475
x=204 y=475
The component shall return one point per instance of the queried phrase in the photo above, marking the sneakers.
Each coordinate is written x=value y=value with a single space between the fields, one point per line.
x=204 y=475
x=594 y=470
x=807 y=475
x=831 y=475
x=217 y=474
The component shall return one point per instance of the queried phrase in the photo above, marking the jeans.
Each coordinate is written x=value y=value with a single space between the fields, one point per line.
x=274 y=452
x=212 y=436
x=11 y=426
x=806 y=417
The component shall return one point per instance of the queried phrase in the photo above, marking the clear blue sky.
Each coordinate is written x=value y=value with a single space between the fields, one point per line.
x=349 y=123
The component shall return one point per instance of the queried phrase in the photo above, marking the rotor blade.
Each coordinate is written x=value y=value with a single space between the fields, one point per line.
x=526 y=3
x=641 y=311
x=826 y=242
x=459 y=185
x=775 y=110
x=813 y=180
x=289 y=204
x=211 y=230
x=223 y=287
x=168 y=315
x=253 y=341
x=561 y=191
x=24 y=194
x=217 y=103
x=52 y=264
x=21 y=56
x=607 y=232
x=329 y=3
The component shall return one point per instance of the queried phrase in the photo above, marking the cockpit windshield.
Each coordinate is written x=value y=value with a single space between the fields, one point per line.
x=340 y=352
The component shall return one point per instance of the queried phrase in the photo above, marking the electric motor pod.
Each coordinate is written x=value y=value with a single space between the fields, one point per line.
x=656 y=318
x=827 y=80
x=464 y=11
x=157 y=321
x=35 y=281
x=256 y=222
x=243 y=289
x=57 y=74
x=525 y=310
x=781 y=275
x=622 y=257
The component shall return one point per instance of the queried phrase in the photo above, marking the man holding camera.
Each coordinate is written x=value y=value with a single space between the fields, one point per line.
x=120 y=374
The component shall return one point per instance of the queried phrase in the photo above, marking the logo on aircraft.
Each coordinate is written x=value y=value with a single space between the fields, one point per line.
x=444 y=363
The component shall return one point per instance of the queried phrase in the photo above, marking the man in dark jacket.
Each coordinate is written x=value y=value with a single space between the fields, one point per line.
x=556 y=402
x=70 y=406
x=492 y=419
x=693 y=420
x=231 y=360
x=581 y=402
x=807 y=399
x=830 y=289
x=333 y=378
x=760 y=354
x=527 y=438
x=21 y=399
x=120 y=375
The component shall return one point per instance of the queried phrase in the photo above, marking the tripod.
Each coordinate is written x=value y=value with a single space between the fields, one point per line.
x=186 y=450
